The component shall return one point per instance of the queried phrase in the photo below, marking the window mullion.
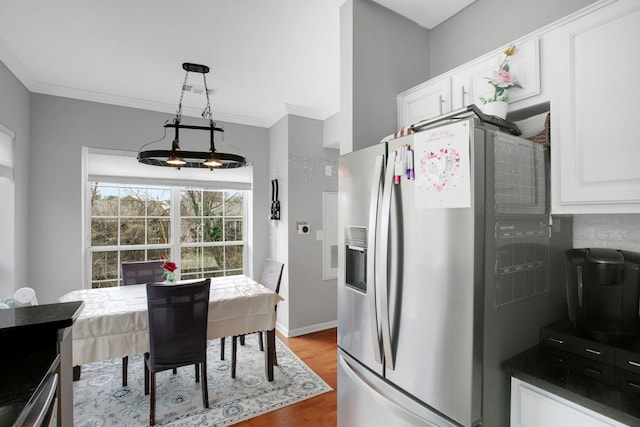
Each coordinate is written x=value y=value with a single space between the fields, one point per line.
x=176 y=253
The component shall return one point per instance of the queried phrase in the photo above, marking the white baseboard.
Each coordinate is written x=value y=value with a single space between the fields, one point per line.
x=289 y=333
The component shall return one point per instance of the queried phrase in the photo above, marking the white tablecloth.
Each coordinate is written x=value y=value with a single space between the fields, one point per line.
x=114 y=322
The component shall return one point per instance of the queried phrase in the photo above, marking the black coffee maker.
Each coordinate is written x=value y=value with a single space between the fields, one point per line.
x=602 y=293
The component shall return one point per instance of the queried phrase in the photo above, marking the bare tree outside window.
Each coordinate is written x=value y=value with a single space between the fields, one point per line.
x=134 y=223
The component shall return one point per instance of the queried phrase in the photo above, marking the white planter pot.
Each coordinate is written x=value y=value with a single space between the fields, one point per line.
x=496 y=108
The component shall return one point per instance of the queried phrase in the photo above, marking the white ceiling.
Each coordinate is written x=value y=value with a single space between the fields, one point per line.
x=267 y=57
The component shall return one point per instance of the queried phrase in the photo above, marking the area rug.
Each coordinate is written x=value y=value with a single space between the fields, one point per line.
x=101 y=400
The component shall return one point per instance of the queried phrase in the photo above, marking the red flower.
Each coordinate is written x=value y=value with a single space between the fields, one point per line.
x=170 y=266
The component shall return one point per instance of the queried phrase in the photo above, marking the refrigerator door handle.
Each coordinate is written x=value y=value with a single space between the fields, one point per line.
x=383 y=262
x=371 y=263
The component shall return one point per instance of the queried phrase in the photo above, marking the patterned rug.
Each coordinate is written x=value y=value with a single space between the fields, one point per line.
x=101 y=400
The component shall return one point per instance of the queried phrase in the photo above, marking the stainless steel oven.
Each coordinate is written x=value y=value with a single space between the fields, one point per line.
x=41 y=410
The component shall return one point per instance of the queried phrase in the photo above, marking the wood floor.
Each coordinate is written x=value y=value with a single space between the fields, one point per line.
x=319 y=351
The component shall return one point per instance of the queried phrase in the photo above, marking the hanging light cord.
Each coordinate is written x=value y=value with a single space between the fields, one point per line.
x=157 y=140
x=184 y=85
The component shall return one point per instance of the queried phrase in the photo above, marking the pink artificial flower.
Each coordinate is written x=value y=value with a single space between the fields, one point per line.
x=502 y=78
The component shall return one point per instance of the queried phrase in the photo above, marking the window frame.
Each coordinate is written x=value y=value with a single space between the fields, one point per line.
x=175 y=245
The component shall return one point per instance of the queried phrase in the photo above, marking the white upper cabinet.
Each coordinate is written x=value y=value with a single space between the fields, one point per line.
x=429 y=99
x=594 y=93
x=466 y=84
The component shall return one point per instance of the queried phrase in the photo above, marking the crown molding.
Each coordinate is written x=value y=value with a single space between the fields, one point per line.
x=14 y=65
x=297 y=110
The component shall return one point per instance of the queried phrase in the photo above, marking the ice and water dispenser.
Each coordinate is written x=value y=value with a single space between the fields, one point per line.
x=603 y=293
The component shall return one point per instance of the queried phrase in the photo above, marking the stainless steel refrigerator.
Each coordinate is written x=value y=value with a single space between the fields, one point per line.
x=447 y=267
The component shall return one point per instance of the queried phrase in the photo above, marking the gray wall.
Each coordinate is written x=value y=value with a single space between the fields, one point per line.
x=487 y=24
x=60 y=127
x=312 y=300
x=389 y=54
x=298 y=161
x=279 y=236
x=15 y=114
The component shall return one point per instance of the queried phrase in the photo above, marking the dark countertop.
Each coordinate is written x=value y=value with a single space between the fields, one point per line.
x=29 y=339
x=564 y=375
x=55 y=316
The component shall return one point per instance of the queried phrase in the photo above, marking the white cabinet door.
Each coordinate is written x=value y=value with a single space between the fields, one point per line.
x=425 y=101
x=533 y=407
x=594 y=94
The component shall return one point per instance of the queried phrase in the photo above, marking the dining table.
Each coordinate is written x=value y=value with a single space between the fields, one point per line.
x=115 y=321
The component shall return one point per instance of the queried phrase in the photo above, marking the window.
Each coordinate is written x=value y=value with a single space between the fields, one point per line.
x=8 y=207
x=6 y=151
x=202 y=230
x=211 y=232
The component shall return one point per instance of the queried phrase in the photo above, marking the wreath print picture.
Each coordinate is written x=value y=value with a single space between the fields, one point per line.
x=440 y=166
x=442 y=170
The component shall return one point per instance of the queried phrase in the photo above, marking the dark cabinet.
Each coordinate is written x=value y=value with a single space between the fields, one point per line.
x=35 y=364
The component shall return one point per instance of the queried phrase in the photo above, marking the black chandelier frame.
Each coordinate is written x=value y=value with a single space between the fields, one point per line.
x=178 y=158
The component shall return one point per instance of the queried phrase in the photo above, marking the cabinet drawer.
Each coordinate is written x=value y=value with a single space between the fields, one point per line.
x=558 y=340
x=628 y=382
x=628 y=360
x=596 y=351
x=596 y=370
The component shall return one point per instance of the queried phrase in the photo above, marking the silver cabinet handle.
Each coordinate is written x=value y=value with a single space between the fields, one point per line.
x=632 y=363
x=440 y=102
x=556 y=340
x=463 y=92
x=371 y=261
x=592 y=351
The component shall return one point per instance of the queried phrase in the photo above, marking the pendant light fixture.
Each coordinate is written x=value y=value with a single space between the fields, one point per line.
x=178 y=158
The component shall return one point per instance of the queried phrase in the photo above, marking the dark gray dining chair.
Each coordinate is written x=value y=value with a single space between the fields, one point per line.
x=142 y=272
x=177 y=333
x=139 y=273
x=271 y=278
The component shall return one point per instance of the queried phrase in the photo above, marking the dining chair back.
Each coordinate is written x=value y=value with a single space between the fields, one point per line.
x=26 y=296
x=177 y=333
x=141 y=272
x=272 y=275
x=271 y=278
x=138 y=273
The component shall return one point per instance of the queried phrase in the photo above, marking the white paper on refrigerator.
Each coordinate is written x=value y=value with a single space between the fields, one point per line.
x=442 y=170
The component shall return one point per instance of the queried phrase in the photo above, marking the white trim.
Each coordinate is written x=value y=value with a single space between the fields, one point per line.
x=122 y=167
x=290 y=333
